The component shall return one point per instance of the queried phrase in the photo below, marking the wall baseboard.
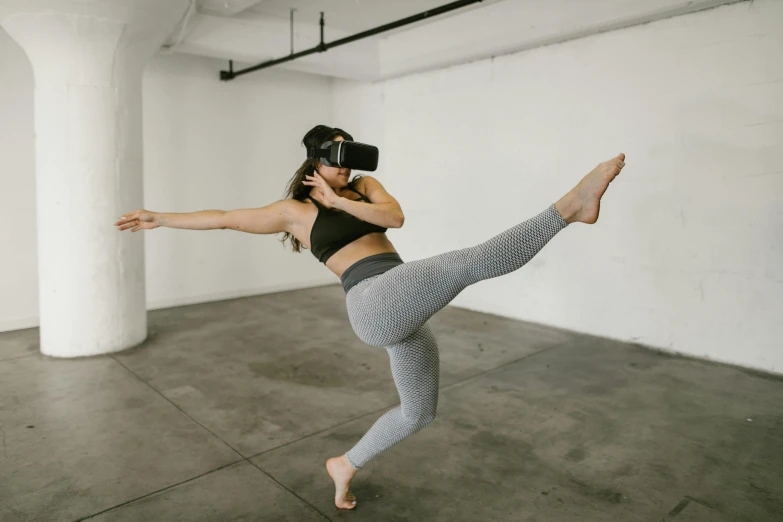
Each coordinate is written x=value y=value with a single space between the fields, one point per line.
x=34 y=321
x=669 y=350
x=234 y=294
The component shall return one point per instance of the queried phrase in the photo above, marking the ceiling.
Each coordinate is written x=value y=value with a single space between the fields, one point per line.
x=347 y=15
x=254 y=31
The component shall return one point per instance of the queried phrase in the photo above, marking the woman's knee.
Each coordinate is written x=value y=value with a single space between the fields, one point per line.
x=420 y=421
x=423 y=415
x=428 y=418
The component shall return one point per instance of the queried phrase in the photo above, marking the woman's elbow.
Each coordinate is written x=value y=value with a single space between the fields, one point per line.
x=399 y=221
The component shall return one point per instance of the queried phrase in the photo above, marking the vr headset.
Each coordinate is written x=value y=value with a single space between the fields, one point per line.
x=347 y=154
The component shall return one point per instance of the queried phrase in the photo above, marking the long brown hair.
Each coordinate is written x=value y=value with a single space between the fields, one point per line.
x=298 y=190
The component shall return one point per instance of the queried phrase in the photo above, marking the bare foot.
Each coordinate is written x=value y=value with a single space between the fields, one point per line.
x=342 y=472
x=583 y=202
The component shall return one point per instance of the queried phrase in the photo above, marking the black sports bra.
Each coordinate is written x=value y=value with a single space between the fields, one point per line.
x=333 y=229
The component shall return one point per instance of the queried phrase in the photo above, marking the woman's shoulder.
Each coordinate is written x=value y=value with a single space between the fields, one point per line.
x=358 y=181
x=362 y=183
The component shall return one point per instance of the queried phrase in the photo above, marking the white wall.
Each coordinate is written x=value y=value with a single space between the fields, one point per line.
x=687 y=254
x=207 y=145
x=224 y=145
x=18 y=238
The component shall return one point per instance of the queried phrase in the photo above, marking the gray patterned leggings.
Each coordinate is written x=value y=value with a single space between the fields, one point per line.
x=391 y=310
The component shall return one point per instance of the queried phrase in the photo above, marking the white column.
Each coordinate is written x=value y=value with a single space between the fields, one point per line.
x=87 y=58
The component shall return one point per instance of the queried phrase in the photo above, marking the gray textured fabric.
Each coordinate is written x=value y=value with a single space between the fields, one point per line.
x=391 y=310
x=368 y=267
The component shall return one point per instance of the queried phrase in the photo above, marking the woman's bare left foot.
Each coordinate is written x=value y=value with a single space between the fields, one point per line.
x=342 y=472
x=583 y=202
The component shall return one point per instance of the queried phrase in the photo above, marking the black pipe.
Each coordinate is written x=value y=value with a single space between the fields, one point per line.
x=321 y=47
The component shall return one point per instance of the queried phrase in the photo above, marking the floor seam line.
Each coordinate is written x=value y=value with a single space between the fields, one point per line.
x=243 y=457
x=525 y=357
x=179 y=408
x=159 y=490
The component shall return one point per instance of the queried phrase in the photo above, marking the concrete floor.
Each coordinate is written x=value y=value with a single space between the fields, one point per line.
x=230 y=409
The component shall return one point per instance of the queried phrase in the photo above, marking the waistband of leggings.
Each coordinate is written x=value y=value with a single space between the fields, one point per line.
x=369 y=266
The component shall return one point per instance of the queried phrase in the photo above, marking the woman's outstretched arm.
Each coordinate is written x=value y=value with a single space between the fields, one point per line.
x=270 y=219
x=201 y=220
x=145 y=220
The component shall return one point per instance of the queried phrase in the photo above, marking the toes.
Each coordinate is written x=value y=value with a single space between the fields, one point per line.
x=348 y=502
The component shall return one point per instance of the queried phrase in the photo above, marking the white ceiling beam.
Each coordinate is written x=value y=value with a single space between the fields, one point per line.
x=225 y=7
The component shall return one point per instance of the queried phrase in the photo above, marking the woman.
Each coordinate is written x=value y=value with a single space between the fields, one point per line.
x=389 y=301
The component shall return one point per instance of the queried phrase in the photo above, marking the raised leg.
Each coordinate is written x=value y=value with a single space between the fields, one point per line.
x=398 y=302
x=393 y=305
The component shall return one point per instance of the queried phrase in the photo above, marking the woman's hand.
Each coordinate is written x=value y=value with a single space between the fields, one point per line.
x=138 y=220
x=328 y=197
